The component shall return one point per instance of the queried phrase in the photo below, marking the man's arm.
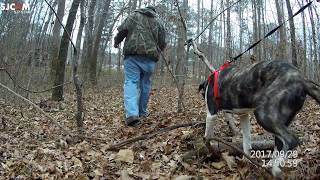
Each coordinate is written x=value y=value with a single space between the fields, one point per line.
x=119 y=37
x=123 y=30
x=162 y=37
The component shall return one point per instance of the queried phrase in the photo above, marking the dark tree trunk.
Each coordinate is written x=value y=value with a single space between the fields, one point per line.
x=89 y=38
x=57 y=94
x=55 y=39
x=95 y=48
x=283 y=39
x=292 y=35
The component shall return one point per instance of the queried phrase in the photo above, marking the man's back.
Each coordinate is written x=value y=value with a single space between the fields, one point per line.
x=144 y=33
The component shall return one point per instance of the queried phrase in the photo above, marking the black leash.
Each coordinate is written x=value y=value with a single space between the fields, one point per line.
x=272 y=31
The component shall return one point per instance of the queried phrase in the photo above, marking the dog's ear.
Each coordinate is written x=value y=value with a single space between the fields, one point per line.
x=202 y=87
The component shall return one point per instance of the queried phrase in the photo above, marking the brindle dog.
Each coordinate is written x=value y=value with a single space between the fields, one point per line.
x=274 y=90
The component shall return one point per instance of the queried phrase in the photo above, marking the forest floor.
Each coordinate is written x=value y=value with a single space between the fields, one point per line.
x=32 y=147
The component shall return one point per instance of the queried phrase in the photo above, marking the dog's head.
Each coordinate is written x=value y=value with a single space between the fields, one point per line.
x=202 y=88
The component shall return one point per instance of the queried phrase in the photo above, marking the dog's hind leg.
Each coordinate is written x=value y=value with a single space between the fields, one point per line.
x=275 y=120
x=232 y=126
x=246 y=134
x=285 y=141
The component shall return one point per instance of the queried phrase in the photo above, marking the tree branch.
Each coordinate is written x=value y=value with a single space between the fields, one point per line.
x=201 y=55
x=60 y=22
x=152 y=134
x=27 y=90
x=237 y=149
x=52 y=120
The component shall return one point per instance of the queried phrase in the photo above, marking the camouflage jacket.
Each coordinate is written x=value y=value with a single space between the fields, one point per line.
x=144 y=33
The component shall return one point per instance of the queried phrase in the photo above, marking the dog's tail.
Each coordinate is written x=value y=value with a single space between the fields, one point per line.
x=313 y=90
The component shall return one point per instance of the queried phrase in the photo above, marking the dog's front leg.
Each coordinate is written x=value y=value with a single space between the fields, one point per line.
x=246 y=134
x=209 y=133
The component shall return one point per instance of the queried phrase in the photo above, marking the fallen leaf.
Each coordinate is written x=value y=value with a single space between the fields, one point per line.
x=125 y=155
x=230 y=160
x=218 y=165
x=76 y=162
x=183 y=177
x=98 y=172
x=146 y=165
x=124 y=175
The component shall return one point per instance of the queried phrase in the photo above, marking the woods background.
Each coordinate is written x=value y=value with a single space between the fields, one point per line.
x=36 y=54
x=38 y=61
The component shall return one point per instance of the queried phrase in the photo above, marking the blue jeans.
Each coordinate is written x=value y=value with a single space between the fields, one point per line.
x=137 y=84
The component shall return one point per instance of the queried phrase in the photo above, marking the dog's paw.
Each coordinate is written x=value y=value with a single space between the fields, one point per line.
x=276 y=172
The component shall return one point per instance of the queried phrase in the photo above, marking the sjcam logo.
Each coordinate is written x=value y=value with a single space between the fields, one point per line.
x=14 y=6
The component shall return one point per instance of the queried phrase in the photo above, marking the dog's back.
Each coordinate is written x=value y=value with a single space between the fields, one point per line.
x=245 y=88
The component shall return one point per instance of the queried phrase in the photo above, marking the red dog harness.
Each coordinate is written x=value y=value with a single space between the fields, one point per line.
x=216 y=82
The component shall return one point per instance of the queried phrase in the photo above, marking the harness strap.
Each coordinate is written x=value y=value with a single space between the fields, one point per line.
x=215 y=74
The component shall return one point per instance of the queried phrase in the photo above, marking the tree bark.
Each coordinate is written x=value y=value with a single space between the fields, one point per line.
x=292 y=35
x=228 y=29
x=181 y=56
x=281 y=54
x=89 y=38
x=78 y=86
x=55 y=39
x=96 y=43
x=210 y=46
x=57 y=94
x=304 y=49
x=314 y=36
x=255 y=26
x=240 y=16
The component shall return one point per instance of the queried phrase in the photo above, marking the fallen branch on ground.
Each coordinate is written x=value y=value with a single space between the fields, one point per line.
x=217 y=139
x=217 y=148
x=153 y=134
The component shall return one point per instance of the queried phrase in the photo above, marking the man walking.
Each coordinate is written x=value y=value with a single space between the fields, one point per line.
x=145 y=39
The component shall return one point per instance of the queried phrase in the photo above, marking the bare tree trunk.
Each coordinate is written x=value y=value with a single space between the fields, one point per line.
x=210 y=46
x=198 y=40
x=228 y=37
x=281 y=54
x=57 y=94
x=221 y=55
x=181 y=56
x=292 y=35
x=78 y=86
x=304 y=50
x=46 y=25
x=255 y=26
x=241 y=29
x=89 y=36
x=318 y=34
x=95 y=48
x=314 y=36
x=55 y=39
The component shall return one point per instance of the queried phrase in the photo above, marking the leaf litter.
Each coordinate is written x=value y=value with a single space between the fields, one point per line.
x=33 y=148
